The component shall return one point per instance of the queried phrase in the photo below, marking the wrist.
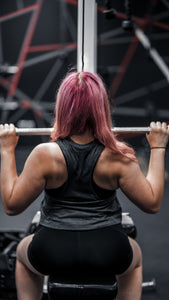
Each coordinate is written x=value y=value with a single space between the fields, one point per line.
x=7 y=150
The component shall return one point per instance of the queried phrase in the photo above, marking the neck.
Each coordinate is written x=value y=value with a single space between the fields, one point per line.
x=84 y=138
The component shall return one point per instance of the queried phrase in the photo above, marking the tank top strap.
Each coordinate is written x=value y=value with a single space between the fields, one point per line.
x=65 y=148
x=94 y=155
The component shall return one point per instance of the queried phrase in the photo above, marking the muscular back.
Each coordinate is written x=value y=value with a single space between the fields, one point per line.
x=105 y=173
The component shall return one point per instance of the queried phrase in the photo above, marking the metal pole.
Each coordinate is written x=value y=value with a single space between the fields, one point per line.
x=87 y=36
x=153 y=53
x=48 y=131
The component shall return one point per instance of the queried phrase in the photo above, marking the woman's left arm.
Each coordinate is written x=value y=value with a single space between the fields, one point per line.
x=18 y=192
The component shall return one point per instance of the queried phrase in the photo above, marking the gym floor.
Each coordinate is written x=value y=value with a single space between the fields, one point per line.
x=152 y=234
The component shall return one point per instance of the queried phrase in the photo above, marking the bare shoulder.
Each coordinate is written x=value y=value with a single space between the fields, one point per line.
x=47 y=156
x=50 y=149
x=110 y=167
x=47 y=159
x=110 y=156
x=115 y=162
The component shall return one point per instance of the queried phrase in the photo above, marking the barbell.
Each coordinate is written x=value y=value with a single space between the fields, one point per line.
x=48 y=131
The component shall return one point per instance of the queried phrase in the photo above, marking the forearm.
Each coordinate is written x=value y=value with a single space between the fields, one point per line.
x=156 y=175
x=8 y=176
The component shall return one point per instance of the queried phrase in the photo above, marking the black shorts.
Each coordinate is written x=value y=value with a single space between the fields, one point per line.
x=93 y=253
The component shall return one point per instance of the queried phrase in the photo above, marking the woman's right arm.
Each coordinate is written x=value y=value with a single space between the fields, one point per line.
x=147 y=192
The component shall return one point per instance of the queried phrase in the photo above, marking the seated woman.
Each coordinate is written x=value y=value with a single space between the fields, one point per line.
x=80 y=170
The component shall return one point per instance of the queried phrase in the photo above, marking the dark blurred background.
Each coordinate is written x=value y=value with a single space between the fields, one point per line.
x=38 y=45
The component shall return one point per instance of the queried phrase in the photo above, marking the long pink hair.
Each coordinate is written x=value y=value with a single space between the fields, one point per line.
x=82 y=104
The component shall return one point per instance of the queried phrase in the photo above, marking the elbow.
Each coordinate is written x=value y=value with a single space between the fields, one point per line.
x=153 y=208
x=11 y=211
x=11 y=206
